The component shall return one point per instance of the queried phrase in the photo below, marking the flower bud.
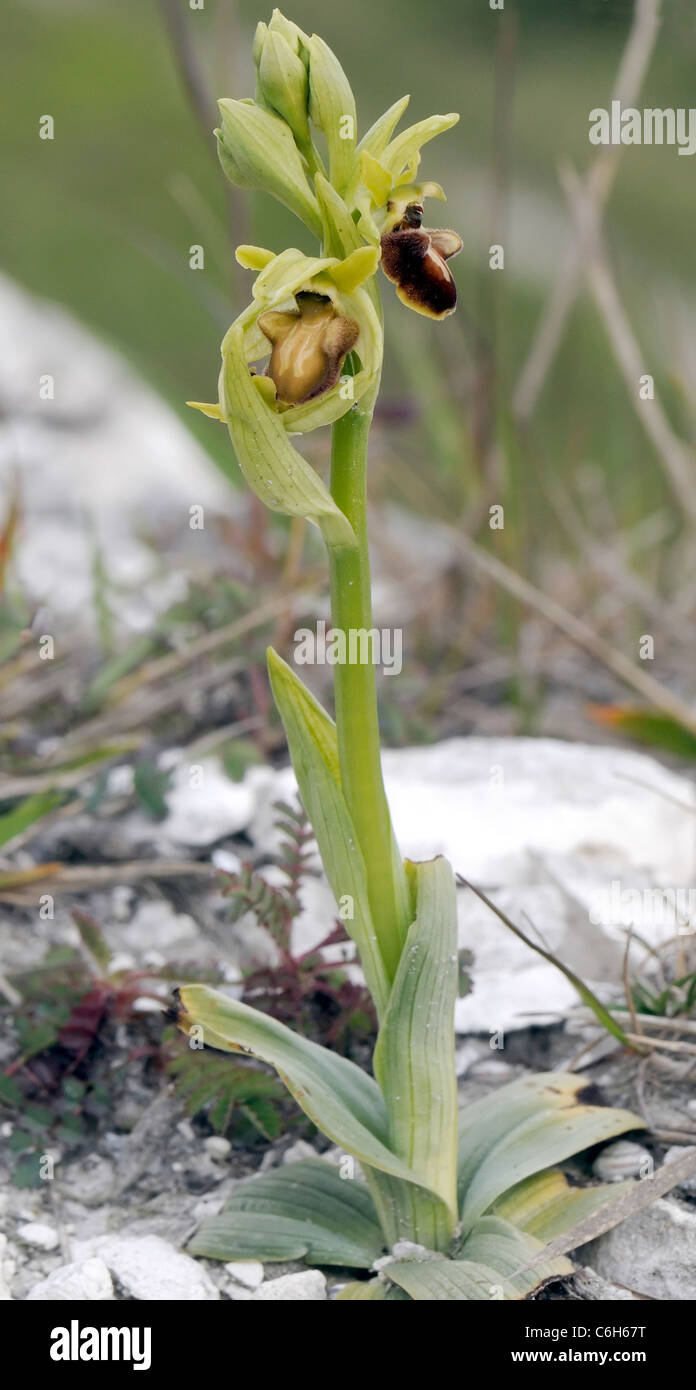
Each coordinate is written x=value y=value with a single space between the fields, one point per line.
x=257 y=150
x=332 y=109
x=284 y=85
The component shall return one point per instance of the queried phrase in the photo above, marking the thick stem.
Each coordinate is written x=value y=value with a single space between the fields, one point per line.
x=355 y=688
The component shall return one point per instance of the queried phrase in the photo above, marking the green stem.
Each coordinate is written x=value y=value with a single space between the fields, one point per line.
x=356 y=692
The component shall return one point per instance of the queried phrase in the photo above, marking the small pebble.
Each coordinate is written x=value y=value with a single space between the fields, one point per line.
x=246 y=1272
x=42 y=1237
x=85 y=1281
x=307 y=1287
x=217 y=1147
x=624 y=1159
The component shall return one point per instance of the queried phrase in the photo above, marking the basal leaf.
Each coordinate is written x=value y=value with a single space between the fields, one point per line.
x=341 y=1099
x=414 y=1057
x=546 y=1205
x=439 y=1280
x=496 y=1243
x=303 y=1210
x=525 y=1127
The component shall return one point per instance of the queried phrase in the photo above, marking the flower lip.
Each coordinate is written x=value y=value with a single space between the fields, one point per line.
x=309 y=345
x=415 y=259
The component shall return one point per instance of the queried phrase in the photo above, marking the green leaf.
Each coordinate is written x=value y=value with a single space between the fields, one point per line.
x=525 y=1127
x=27 y=1171
x=16 y=821
x=647 y=726
x=150 y=784
x=10 y=1092
x=414 y=1056
x=547 y=1206
x=374 y=1290
x=92 y=939
x=498 y=1244
x=313 y=748
x=343 y=1101
x=437 y=1280
x=303 y=1210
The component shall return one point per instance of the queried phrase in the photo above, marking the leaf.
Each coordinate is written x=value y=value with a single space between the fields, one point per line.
x=313 y=748
x=343 y=1101
x=524 y=1127
x=438 y=1280
x=546 y=1205
x=92 y=939
x=497 y=1243
x=33 y=808
x=303 y=1210
x=375 y=1290
x=150 y=784
x=646 y=726
x=414 y=1056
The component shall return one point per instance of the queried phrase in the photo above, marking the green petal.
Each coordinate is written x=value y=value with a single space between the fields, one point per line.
x=405 y=149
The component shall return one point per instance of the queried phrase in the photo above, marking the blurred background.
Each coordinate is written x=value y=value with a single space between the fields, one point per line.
x=529 y=398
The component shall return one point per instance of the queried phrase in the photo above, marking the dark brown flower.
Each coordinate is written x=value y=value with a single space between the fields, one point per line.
x=309 y=347
x=415 y=259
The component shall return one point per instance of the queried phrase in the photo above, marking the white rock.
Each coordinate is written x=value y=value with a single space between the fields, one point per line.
x=85 y=1281
x=309 y=1286
x=126 y=456
x=206 y=808
x=35 y=1233
x=156 y=925
x=6 y=1270
x=299 y=1150
x=217 y=1147
x=148 y=1268
x=689 y=1184
x=246 y=1272
x=653 y=1253
x=546 y=828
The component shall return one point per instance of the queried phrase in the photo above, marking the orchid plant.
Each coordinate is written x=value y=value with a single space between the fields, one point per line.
x=447 y=1210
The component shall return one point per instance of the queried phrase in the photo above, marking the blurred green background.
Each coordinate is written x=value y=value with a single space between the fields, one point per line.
x=101 y=218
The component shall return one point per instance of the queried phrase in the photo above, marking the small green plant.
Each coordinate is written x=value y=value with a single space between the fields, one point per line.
x=465 y=1211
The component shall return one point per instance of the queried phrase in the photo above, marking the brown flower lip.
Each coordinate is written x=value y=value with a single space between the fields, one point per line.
x=415 y=259
x=309 y=347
